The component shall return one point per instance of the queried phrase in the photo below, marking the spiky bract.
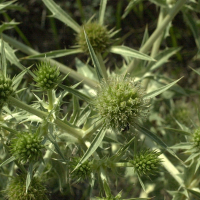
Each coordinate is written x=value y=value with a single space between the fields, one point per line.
x=16 y=189
x=26 y=147
x=146 y=162
x=47 y=76
x=6 y=89
x=98 y=36
x=120 y=102
x=81 y=172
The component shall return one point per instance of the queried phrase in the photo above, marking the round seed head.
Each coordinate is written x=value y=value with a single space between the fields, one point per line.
x=146 y=162
x=120 y=102
x=6 y=89
x=26 y=147
x=81 y=172
x=98 y=36
x=47 y=76
x=196 y=138
x=16 y=189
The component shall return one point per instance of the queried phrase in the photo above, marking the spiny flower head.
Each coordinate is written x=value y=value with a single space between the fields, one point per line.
x=16 y=189
x=26 y=147
x=47 y=76
x=196 y=138
x=81 y=172
x=146 y=162
x=6 y=89
x=120 y=102
x=98 y=36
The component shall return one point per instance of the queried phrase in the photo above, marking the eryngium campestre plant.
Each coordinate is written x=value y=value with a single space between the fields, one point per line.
x=196 y=138
x=98 y=36
x=146 y=162
x=46 y=76
x=6 y=89
x=120 y=102
x=26 y=147
x=82 y=172
x=16 y=189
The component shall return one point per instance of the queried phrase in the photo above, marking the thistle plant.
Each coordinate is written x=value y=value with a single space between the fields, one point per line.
x=120 y=102
x=6 y=89
x=46 y=76
x=26 y=147
x=16 y=189
x=67 y=131
x=82 y=172
x=146 y=162
x=98 y=35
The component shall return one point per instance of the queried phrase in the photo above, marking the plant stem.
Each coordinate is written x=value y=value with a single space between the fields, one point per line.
x=125 y=164
x=63 y=68
x=145 y=48
x=46 y=158
x=92 y=129
x=78 y=133
x=156 y=45
x=50 y=99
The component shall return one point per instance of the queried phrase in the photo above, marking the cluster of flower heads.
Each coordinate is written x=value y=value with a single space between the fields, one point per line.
x=120 y=102
x=16 y=189
x=26 y=147
x=146 y=162
x=82 y=172
x=98 y=36
x=46 y=76
x=6 y=89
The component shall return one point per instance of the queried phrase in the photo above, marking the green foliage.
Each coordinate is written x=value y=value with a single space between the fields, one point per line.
x=85 y=135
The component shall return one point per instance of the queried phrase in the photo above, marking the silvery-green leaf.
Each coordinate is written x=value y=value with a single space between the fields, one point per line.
x=93 y=146
x=29 y=176
x=61 y=15
x=12 y=158
x=94 y=59
x=129 y=52
x=160 y=90
x=102 y=11
x=55 y=54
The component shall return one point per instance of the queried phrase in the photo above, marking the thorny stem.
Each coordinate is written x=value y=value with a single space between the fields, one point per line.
x=78 y=133
x=50 y=99
x=145 y=48
x=46 y=158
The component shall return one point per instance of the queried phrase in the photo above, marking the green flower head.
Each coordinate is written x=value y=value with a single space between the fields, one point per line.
x=146 y=162
x=98 y=36
x=26 y=147
x=196 y=138
x=81 y=172
x=6 y=89
x=120 y=102
x=16 y=189
x=46 y=76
